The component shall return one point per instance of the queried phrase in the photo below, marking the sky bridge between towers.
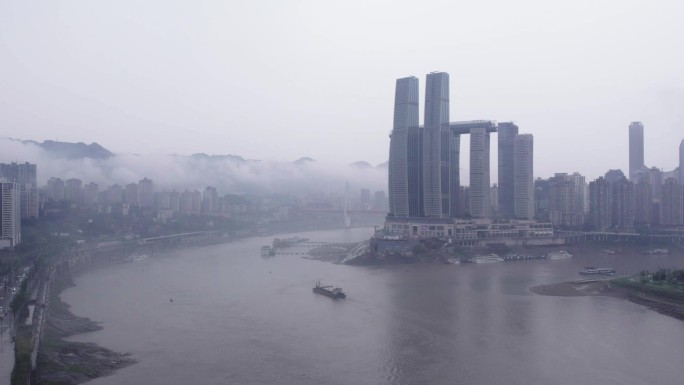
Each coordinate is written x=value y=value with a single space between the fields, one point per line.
x=464 y=127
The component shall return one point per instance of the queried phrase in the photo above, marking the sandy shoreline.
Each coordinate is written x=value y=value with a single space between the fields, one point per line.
x=604 y=288
x=61 y=361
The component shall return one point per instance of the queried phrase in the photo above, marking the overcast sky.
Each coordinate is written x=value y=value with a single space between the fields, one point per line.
x=279 y=80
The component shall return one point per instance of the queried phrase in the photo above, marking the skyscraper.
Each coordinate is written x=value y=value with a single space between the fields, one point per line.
x=523 y=179
x=622 y=216
x=436 y=147
x=72 y=190
x=600 y=204
x=455 y=175
x=506 y=138
x=25 y=175
x=479 y=173
x=145 y=192
x=566 y=199
x=479 y=131
x=405 y=180
x=636 y=148
x=10 y=215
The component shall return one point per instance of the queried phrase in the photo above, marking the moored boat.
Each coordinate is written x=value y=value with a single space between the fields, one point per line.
x=562 y=254
x=491 y=258
x=598 y=271
x=135 y=258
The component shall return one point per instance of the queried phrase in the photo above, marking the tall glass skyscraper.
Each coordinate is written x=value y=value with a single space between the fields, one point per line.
x=523 y=179
x=436 y=147
x=480 y=184
x=636 y=148
x=506 y=139
x=403 y=170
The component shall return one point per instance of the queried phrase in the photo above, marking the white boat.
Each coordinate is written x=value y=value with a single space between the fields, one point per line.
x=491 y=258
x=266 y=251
x=136 y=258
x=598 y=271
x=562 y=254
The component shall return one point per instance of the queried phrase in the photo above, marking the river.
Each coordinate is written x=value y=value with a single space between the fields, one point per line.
x=238 y=318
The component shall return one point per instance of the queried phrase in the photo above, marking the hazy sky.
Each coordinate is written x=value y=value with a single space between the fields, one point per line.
x=279 y=80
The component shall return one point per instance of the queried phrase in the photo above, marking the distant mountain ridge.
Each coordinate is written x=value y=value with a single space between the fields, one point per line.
x=67 y=150
x=80 y=150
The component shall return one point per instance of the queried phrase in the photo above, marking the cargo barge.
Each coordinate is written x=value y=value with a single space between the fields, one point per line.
x=329 y=291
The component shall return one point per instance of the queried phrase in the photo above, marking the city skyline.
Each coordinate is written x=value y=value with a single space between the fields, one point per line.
x=223 y=89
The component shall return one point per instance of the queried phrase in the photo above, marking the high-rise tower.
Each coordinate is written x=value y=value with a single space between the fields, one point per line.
x=636 y=148
x=523 y=179
x=480 y=204
x=405 y=182
x=10 y=214
x=506 y=138
x=436 y=147
x=25 y=175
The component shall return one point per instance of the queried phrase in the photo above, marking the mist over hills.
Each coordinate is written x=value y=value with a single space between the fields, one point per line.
x=229 y=173
x=68 y=150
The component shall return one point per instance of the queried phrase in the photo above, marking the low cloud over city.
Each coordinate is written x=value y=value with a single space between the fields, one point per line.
x=230 y=174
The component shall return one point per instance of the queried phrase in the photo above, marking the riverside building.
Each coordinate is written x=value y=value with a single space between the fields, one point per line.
x=10 y=214
x=636 y=148
x=425 y=194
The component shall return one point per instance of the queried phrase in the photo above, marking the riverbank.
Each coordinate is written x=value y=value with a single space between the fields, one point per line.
x=63 y=362
x=664 y=306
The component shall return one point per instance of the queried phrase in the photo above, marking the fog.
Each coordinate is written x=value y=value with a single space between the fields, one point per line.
x=229 y=174
x=277 y=80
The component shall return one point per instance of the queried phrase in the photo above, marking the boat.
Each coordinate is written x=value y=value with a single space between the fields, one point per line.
x=136 y=258
x=598 y=271
x=518 y=257
x=491 y=258
x=562 y=254
x=267 y=251
x=608 y=251
x=452 y=261
x=329 y=291
x=658 y=251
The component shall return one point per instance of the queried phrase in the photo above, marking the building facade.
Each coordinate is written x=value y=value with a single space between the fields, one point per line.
x=10 y=214
x=622 y=216
x=523 y=178
x=405 y=158
x=480 y=182
x=436 y=147
x=636 y=148
x=25 y=175
x=600 y=205
x=671 y=203
x=506 y=139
